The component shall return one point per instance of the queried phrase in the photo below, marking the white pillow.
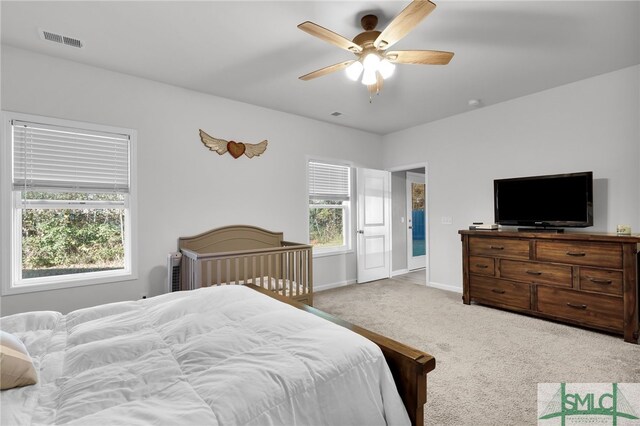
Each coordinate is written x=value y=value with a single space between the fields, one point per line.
x=16 y=367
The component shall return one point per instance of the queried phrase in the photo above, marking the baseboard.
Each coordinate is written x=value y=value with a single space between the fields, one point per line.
x=328 y=286
x=399 y=272
x=446 y=287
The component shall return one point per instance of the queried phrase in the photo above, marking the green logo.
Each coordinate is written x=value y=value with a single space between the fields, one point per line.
x=611 y=404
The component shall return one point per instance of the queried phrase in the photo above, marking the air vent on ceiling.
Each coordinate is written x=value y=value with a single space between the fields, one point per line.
x=336 y=114
x=62 y=39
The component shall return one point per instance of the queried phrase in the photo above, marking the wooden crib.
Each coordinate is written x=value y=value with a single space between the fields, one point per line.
x=242 y=254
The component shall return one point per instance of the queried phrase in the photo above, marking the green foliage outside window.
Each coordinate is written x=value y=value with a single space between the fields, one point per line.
x=63 y=241
x=326 y=224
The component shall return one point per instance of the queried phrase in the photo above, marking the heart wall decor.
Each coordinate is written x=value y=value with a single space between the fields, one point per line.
x=236 y=149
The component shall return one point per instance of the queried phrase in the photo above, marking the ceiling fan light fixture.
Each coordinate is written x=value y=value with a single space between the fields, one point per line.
x=386 y=68
x=354 y=70
x=371 y=62
x=369 y=76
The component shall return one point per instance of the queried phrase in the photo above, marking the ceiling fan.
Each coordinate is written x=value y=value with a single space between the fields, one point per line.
x=374 y=62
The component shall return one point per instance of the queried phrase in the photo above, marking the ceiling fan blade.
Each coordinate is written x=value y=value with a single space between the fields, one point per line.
x=430 y=57
x=326 y=70
x=403 y=23
x=329 y=36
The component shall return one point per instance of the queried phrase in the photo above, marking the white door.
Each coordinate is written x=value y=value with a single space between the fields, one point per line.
x=416 y=221
x=374 y=227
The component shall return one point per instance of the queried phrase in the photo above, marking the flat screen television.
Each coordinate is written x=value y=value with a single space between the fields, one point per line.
x=555 y=201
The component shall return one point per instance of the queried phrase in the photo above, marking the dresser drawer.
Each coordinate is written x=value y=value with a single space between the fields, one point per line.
x=502 y=247
x=580 y=253
x=482 y=265
x=600 y=280
x=591 y=309
x=492 y=290
x=536 y=273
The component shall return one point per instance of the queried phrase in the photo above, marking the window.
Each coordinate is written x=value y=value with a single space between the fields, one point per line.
x=68 y=203
x=329 y=207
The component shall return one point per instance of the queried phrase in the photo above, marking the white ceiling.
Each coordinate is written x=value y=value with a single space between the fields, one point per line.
x=253 y=52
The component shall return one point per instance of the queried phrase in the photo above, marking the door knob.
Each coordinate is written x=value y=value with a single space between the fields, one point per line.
x=411 y=227
x=360 y=231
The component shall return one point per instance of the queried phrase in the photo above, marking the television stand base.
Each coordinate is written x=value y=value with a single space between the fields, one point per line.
x=550 y=230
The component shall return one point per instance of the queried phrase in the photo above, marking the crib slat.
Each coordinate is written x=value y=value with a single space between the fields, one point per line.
x=197 y=279
x=261 y=274
x=253 y=269
x=304 y=272
x=298 y=271
x=291 y=266
x=270 y=280
x=244 y=268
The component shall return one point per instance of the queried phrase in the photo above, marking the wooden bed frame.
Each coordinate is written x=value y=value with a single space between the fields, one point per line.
x=408 y=366
x=240 y=254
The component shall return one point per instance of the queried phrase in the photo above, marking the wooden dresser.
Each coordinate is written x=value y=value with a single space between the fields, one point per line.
x=589 y=280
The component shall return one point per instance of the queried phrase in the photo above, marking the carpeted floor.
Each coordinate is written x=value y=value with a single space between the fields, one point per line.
x=488 y=361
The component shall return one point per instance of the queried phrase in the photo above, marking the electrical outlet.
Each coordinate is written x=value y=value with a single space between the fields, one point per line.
x=446 y=220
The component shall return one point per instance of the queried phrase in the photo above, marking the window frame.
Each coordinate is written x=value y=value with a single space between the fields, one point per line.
x=346 y=206
x=11 y=206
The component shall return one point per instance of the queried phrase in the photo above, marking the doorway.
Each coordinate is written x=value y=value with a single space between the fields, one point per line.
x=416 y=221
x=410 y=251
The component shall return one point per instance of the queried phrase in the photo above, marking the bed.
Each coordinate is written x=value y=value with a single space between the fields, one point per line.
x=216 y=355
x=243 y=254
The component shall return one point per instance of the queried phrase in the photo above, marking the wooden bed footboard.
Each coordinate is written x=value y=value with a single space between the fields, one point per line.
x=408 y=366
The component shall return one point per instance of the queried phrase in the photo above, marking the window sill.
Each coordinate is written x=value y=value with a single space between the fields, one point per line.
x=62 y=282
x=332 y=253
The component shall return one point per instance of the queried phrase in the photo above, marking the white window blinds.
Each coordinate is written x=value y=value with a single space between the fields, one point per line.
x=328 y=181
x=49 y=157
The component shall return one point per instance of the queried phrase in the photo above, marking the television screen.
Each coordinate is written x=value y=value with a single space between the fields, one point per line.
x=564 y=200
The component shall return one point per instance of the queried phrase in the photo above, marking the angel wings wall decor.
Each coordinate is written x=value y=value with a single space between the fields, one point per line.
x=236 y=149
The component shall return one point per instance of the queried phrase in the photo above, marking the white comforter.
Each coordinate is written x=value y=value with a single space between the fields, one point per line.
x=214 y=356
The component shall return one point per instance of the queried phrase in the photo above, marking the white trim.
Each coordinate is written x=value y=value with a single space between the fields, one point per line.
x=10 y=244
x=70 y=281
x=328 y=253
x=447 y=287
x=6 y=206
x=399 y=272
x=408 y=167
x=329 y=286
x=348 y=223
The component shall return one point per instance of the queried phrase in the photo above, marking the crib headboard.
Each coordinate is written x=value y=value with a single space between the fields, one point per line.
x=231 y=238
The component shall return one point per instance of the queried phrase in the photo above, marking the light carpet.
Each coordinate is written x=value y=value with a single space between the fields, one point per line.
x=488 y=362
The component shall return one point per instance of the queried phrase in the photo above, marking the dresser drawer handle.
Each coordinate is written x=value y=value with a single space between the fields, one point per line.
x=497 y=290
x=496 y=247
x=534 y=272
x=576 y=253
x=479 y=265
x=571 y=305
x=599 y=281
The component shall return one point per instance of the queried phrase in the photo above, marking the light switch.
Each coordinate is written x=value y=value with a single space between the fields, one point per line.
x=446 y=220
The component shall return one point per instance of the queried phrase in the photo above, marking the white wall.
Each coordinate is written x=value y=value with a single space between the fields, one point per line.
x=183 y=188
x=591 y=124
